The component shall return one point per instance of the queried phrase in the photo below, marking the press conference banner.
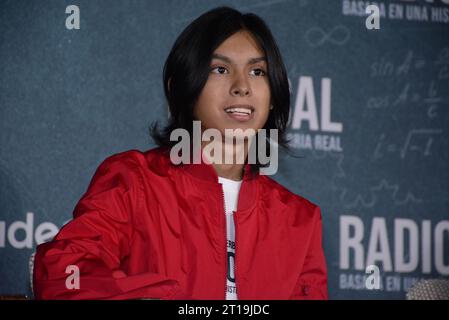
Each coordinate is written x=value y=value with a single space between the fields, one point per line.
x=82 y=80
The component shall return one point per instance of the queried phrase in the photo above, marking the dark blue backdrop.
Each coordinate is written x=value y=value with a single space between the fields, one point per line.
x=369 y=114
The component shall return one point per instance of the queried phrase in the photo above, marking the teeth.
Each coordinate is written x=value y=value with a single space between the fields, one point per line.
x=240 y=110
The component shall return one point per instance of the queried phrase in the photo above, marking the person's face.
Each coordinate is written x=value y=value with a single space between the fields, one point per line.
x=237 y=77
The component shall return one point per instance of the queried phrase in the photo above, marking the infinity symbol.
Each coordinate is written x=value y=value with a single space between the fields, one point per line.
x=339 y=35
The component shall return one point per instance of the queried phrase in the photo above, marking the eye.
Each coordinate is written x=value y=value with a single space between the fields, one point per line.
x=220 y=68
x=260 y=71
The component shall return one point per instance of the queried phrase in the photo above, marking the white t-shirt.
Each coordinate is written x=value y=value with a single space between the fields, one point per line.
x=231 y=190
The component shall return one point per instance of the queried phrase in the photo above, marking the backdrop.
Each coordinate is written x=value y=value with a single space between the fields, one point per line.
x=369 y=115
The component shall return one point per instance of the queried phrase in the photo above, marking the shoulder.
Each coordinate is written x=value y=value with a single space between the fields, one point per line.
x=132 y=159
x=127 y=168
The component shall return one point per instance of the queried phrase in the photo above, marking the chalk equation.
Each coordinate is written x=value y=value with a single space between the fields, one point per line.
x=384 y=67
x=416 y=140
x=384 y=187
x=442 y=61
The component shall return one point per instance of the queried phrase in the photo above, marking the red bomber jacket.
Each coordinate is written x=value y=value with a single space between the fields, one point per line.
x=147 y=228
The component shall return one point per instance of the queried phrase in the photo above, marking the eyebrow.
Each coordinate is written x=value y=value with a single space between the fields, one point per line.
x=228 y=60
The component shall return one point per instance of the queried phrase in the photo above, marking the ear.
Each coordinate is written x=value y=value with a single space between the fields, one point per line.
x=168 y=84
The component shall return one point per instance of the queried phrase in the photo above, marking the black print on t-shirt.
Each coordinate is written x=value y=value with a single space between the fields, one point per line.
x=231 y=276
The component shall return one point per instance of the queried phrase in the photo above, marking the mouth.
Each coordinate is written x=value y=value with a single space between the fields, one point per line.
x=240 y=112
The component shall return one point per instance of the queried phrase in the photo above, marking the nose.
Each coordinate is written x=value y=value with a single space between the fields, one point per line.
x=240 y=87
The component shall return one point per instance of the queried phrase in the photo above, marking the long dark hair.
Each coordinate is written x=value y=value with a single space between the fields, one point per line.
x=187 y=68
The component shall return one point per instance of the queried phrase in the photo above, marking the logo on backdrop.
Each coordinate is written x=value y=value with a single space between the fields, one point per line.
x=421 y=11
x=310 y=123
x=24 y=235
x=387 y=255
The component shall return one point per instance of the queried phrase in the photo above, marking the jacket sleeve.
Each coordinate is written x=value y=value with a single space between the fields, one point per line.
x=96 y=242
x=312 y=281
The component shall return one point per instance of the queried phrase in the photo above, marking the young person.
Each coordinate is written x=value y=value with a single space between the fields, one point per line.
x=151 y=227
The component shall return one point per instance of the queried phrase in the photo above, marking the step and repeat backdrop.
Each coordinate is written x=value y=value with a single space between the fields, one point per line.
x=370 y=101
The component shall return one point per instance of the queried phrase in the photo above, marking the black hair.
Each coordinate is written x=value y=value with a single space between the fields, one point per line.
x=187 y=68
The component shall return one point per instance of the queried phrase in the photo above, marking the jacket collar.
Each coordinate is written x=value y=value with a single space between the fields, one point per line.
x=206 y=172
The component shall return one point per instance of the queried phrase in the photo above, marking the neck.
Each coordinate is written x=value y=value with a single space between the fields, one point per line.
x=229 y=171
x=224 y=169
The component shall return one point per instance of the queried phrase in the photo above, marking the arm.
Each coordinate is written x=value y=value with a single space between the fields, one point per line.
x=312 y=282
x=97 y=240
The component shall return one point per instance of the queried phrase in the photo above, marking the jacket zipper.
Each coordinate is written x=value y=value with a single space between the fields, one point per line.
x=226 y=242
x=226 y=246
x=235 y=254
